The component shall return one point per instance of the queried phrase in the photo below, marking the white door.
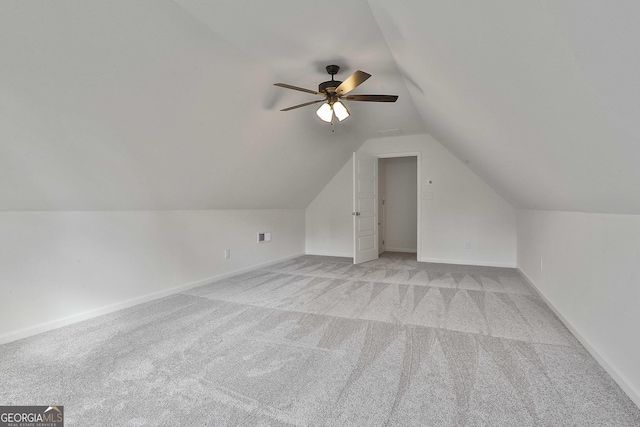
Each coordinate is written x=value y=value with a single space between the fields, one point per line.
x=365 y=208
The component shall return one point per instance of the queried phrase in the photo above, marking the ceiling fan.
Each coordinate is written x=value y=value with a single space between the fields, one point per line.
x=333 y=92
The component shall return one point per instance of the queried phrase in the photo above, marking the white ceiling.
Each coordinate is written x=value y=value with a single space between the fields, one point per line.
x=170 y=105
x=542 y=98
x=128 y=105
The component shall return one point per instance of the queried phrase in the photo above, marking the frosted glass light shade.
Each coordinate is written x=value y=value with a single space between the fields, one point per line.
x=325 y=112
x=340 y=110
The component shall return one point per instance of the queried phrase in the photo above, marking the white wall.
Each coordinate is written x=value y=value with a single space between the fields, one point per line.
x=328 y=218
x=61 y=267
x=591 y=276
x=401 y=209
x=462 y=209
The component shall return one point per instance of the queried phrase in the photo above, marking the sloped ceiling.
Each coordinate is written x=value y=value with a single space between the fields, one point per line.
x=542 y=98
x=170 y=104
x=130 y=105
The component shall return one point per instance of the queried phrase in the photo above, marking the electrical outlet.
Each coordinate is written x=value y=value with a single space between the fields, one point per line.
x=467 y=245
x=227 y=253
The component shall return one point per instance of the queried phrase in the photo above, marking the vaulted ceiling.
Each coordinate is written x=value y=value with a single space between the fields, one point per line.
x=127 y=105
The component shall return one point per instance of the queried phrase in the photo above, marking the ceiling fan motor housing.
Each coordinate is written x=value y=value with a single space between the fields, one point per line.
x=328 y=86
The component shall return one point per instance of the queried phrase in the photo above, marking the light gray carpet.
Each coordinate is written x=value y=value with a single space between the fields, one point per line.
x=319 y=341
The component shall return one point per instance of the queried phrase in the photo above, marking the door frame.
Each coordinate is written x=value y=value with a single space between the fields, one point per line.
x=416 y=154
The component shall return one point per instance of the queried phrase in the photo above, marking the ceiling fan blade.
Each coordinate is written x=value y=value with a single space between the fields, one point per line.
x=301 y=89
x=372 y=98
x=302 y=105
x=352 y=82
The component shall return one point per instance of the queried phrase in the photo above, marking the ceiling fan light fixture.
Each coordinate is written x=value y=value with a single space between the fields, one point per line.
x=325 y=112
x=340 y=110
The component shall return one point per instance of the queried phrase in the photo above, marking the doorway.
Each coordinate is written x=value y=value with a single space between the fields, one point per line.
x=398 y=205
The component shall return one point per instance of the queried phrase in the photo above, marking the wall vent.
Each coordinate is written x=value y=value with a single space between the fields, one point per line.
x=264 y=237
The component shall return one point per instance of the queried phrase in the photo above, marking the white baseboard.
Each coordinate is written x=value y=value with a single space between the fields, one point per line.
x=85 y=315
x=467 y=262
x=405 y=250
x=338 y=254
x=630 y=390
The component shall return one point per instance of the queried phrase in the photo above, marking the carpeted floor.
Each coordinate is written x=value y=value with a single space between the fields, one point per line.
x=319 y=341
